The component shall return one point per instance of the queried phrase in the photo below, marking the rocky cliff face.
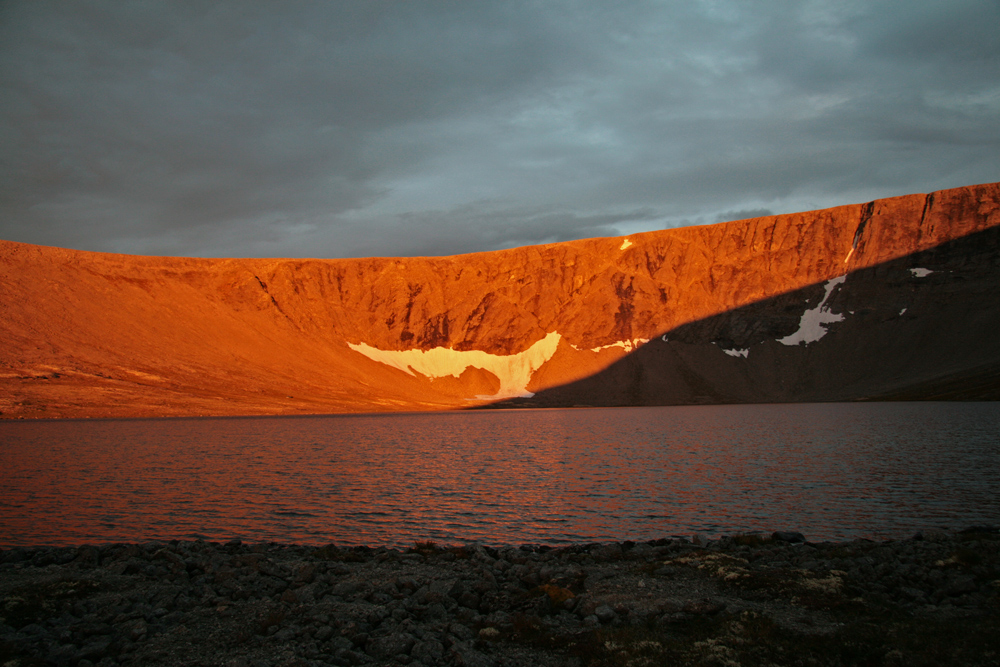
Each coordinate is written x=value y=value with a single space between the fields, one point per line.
x=90 y=334
x=920 y=327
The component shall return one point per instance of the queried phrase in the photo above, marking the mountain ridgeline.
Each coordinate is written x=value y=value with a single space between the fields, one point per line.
x=896 y=299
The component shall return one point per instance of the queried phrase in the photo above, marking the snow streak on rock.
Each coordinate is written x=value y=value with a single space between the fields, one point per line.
x=627 y=345
x=514 y=371
x=921 y=273
x=812 y=326
x=625 y=244
x=738 y=353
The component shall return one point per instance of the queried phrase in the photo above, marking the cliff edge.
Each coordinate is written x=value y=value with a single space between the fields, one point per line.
x=752 y=310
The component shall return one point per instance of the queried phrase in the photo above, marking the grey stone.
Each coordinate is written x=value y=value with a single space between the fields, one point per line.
x=408 y=584
x=345 y=589
x=498 y=619
x=466 y=656
x=960 y=584
x=462 y=632
x=285 y=635
x=704 y=607
x=469 y=599
x=348 y=657
x=451 y=588
x=429 y=651
x=35 y=630
x=604 y=613
x=62 y=655
x=389 y=646
x=94 y=650
x=305 y=573
x=606 y=552
x=787 y=536
x=434 y=611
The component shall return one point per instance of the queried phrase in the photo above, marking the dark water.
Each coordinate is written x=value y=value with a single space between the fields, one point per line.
x=831 y=471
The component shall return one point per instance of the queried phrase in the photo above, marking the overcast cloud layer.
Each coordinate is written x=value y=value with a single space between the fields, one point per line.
x=339 y=129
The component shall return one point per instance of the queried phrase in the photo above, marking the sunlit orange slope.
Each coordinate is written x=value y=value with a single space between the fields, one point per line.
x=92 y=334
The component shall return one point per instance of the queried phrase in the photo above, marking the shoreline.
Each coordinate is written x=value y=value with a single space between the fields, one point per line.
x=499 y=406
x=747 y=599
x=693 y=537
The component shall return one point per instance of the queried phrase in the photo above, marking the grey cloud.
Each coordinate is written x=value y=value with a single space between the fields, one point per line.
x=360 y=128
x=944 y=34
x=744 y=214
x=484 y=225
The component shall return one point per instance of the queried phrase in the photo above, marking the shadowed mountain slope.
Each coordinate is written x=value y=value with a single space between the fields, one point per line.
x=92 y=334
x=921 y=327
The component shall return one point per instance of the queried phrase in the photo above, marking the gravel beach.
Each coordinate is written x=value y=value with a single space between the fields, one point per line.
x=743 y=600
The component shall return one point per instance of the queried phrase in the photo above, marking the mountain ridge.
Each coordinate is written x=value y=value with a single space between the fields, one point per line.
x=95 y=334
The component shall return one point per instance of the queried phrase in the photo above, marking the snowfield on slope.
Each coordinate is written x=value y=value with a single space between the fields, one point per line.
x=514 y=370
x=813 y=324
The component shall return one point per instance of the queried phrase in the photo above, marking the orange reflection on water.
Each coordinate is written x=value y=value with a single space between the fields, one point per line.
x=542 y=476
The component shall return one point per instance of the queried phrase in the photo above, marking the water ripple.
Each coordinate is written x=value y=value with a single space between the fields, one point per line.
x=834 y=471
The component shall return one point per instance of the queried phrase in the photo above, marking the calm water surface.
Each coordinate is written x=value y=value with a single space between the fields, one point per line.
x=832 y=471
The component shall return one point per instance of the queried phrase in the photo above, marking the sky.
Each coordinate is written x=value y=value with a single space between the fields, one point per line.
x=407 y=128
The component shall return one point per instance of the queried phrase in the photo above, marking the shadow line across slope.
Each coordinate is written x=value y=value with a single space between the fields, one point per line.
x=921 y=327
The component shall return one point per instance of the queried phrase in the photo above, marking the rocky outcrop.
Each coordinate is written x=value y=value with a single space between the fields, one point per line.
x=90 y=334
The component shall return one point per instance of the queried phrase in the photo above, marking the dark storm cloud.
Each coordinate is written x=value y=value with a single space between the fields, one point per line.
x=401 y=128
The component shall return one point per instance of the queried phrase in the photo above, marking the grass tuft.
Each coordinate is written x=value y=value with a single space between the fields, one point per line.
x=426 y=548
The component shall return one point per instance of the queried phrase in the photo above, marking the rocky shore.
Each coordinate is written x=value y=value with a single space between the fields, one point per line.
x=741 y=600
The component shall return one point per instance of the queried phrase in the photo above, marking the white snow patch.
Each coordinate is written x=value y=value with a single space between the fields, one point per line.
x=738 y=353
x=812 y=326
x=627 y=345
x=625 y=244
x=921 y=273
x=902 y=311
x=664 y=338
x=514 y=370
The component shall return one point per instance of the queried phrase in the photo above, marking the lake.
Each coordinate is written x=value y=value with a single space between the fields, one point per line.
x=831 y=471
